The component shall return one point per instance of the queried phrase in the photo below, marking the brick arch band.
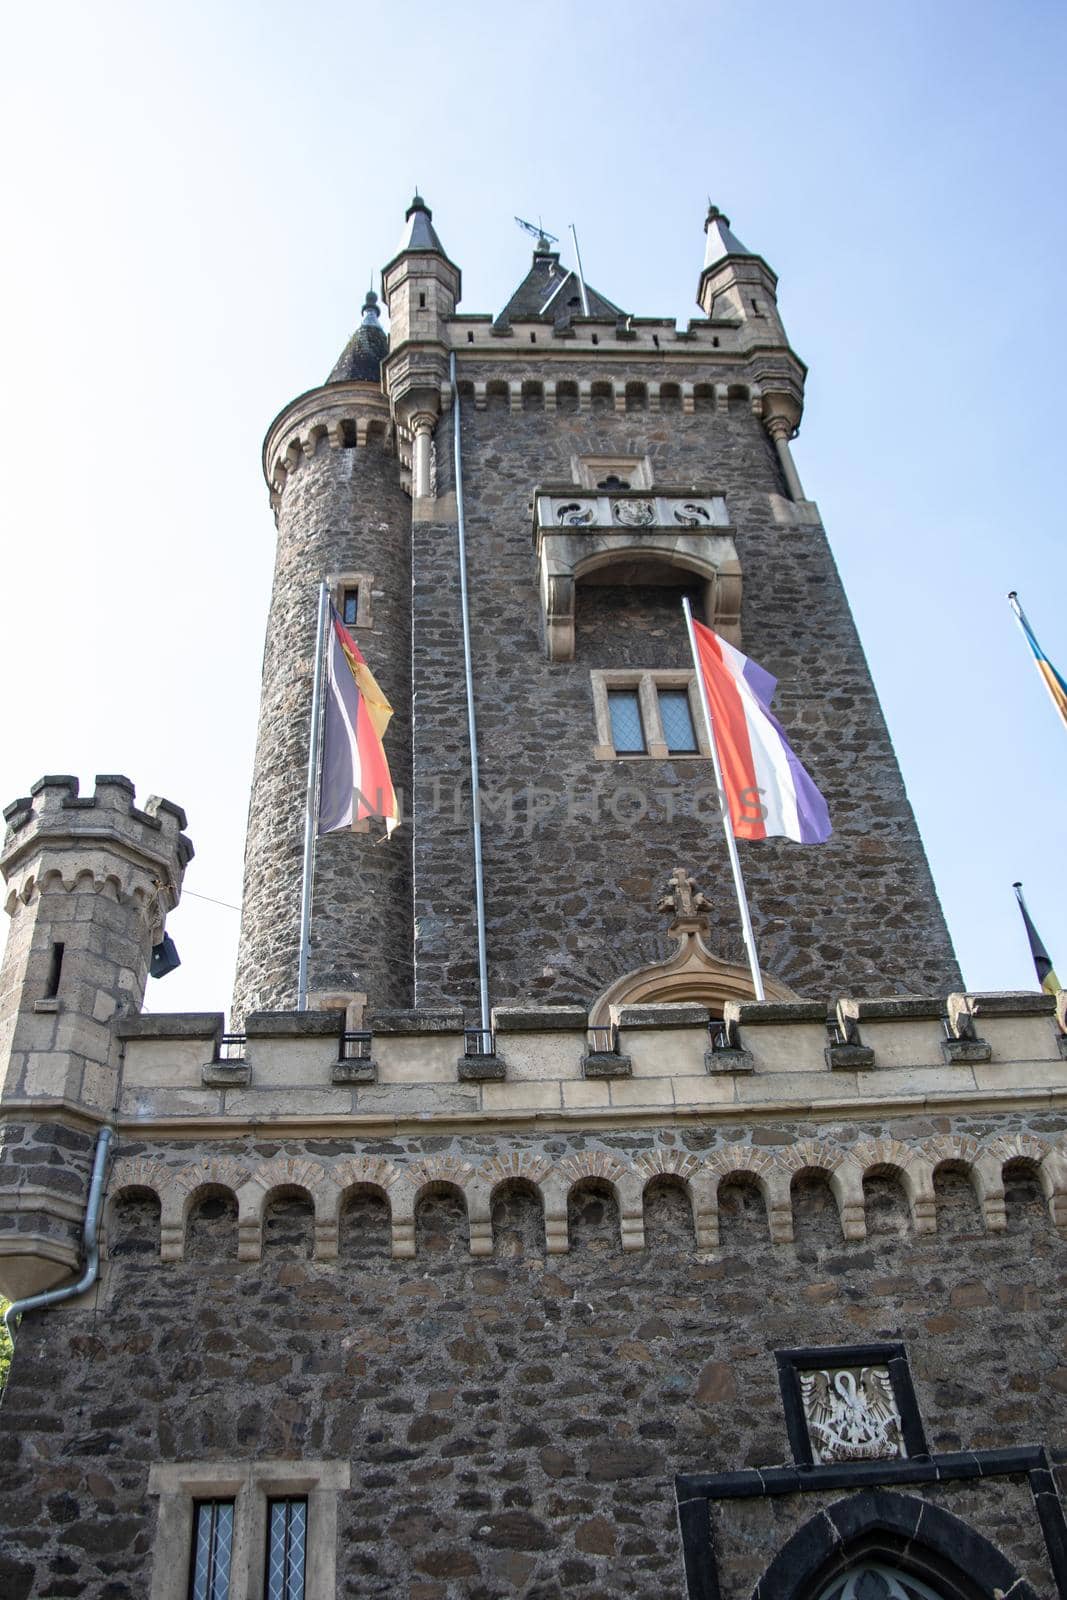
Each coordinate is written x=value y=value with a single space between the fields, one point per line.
x=918 y=1538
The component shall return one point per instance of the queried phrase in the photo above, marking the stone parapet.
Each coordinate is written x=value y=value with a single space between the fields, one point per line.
x=776 y=1057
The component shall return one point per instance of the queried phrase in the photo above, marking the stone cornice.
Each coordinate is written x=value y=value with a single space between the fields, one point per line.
x=579 y=1120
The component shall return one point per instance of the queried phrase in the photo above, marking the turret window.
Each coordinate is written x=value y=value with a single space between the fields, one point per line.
x=351 y=593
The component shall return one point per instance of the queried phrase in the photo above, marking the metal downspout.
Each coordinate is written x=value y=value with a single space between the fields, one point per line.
x=472 y=732
x=90 y=1242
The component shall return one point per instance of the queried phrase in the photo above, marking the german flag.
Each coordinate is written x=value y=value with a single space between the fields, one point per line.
x=1046 y=972
x=356 y=787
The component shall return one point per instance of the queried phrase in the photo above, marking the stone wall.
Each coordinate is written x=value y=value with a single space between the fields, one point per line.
x=571 y=895
x=342 y=512
x=514 y=1423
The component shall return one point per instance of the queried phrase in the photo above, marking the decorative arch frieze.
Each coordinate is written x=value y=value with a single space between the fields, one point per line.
x=772 y=1169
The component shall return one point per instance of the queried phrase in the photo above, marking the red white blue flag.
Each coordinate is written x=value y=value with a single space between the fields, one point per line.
x=356 y=788
x=769 y=793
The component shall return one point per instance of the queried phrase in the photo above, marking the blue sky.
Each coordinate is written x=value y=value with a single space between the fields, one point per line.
x=197 y=197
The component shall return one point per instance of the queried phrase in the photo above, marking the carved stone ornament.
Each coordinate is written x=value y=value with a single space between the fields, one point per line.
x=692 y=514
x=693 y=973
x=851 y=1414
x=634 y=513
x=575 y=515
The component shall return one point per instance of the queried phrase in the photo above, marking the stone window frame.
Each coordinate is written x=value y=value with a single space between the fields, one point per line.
x=647 y=683
x=362 y=582
x=588 y=471
x=250 y=1485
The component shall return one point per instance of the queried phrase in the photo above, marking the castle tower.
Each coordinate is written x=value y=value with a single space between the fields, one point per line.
x=89 y=883
x=342 y=515
x=610 y=464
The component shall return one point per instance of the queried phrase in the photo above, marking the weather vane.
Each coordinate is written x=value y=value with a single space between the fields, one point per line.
x=537 y=233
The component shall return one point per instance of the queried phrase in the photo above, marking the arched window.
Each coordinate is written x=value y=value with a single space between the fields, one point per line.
x=873 y=1581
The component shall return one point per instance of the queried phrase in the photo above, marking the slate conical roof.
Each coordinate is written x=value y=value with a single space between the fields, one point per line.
x=549 y=290
x=361 y=359
x=721 y=242
x=419 y=232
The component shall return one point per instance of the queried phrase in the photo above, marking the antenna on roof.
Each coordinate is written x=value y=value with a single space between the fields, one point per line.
x=544 y=240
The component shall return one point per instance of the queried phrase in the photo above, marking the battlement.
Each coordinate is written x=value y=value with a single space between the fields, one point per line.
x=90 y=879
x=337 y=416
x=54 y=815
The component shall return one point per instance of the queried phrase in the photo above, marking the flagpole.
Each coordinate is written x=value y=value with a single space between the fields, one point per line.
x=731 y=843
x=311 y=812
x=1055 y=685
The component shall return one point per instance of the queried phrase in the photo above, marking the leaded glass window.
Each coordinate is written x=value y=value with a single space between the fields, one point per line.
x=212 y=1550
x=627 y=734
x=873 y=1581
x=286 y=1549
x=677 y=719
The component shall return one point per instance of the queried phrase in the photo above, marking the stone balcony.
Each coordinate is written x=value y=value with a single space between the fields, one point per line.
x=632 y=535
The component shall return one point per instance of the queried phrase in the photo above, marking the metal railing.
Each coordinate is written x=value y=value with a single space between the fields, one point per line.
x=356 y=1045
x=231 y=1047
x=479 y=1042
x=719 y=1033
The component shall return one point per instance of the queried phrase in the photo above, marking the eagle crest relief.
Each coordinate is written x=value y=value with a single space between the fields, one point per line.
x=851 y=1414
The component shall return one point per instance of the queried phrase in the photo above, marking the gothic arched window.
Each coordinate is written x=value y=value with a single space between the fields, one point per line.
x=871 y=1580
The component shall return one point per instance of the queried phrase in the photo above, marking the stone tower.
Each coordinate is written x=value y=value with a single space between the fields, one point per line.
x=343 y=515
x=667 y=1294
x=610 y=463
x=89 y=883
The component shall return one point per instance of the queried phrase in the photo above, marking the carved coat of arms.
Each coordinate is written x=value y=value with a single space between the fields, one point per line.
x=634 y=513
x=851 y=1414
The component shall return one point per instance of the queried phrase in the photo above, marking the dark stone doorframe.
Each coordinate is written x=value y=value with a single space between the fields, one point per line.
x=851 y=1527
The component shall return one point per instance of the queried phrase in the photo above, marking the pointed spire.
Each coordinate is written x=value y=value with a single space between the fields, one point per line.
x=720 y=241
x=361 y=359
x=419 y=232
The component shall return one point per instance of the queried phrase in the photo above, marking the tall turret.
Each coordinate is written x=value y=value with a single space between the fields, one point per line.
x=421 y=287
x=739 y=287
x=89 y=883
x=342 y=515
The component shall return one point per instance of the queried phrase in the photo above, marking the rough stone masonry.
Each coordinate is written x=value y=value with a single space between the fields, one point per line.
x=545 y=1322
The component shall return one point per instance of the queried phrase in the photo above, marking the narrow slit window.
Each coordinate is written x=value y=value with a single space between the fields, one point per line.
x=677 y=718
x=55 y=972
x=212 y=1550
x=350 y=607
x=627 y=733
x=286 y=1549
x=422 y=302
